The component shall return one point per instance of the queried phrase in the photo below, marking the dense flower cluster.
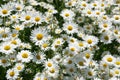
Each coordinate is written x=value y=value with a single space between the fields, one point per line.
x=60 y=40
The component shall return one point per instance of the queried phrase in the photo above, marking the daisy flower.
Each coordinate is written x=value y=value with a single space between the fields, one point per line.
x=38 y=18
x=7 y=48
x=24 y=56
x=12 y=74
x=39 y=36
x=106 y=38
x=53 y=72
x=67 y=14
x=38 y=58
x=90 y=40
x=109 y=59
x=19 y=67
x=4 y=61
x=5 y=10
x=70 y=27
x=26 y=16
x=49 y=64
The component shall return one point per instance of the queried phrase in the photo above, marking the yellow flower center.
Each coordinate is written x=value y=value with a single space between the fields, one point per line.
x=84 y=5
x=106 y=37
x=38 y=56
x=89 y=41
x=24 y=55
x=117 y=18
x=90 y=73
x=37 y=19
x=4 y=35
x=19 y=67
x=116 y=31
x=105 y=25
x=117 y=62
x=81 y=63
x=38 y=79
x=71 y=69
x=58 y=42
x=67 y=14
x=89 y=12
x=70 y=28
x=52 y=70
x=14 y=42
x=95 y=4
x=81 y=44
x=105 y=65
x=97 y=13
x=45 y=45
x=7 y=47
x=3 y=61
x=72 y=49
x=39 y=36
x=49 y=64
x=117 y=72
x=27 y=17
x=18 y=8
x=69 y=61
x=14 y=35
x=109 y=59
x=87 y=55
x=12 y=73
x=5 y=11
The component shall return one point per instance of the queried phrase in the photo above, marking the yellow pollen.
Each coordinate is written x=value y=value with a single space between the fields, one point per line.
x=37 y=19
x=24 y=55
x=5 y=11
x=27 y=17
x=70 y=28
x=12 y=73
x=67 y=14
x=87 y=55
x=89 y=41
x=109 y=59
x=7 y=47
x=49 y=64
x=39 y=36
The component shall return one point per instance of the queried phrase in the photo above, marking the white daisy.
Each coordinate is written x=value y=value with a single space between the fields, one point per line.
x=39 y=36
x=7 y=48
x=67 y=14
x=70 y=27
x=109 y=59
x=90 y=40
x=24 y=56
x=12 y=74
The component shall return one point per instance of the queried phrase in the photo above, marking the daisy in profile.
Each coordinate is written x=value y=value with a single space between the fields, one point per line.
x=70 y=27
x=90 y=40
x=38 y=36
x=67 y=14
x=18 y=27
x=7 y=48
x=12 y=74
x=24 y=56
x=81 y=45
x=109 y=59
